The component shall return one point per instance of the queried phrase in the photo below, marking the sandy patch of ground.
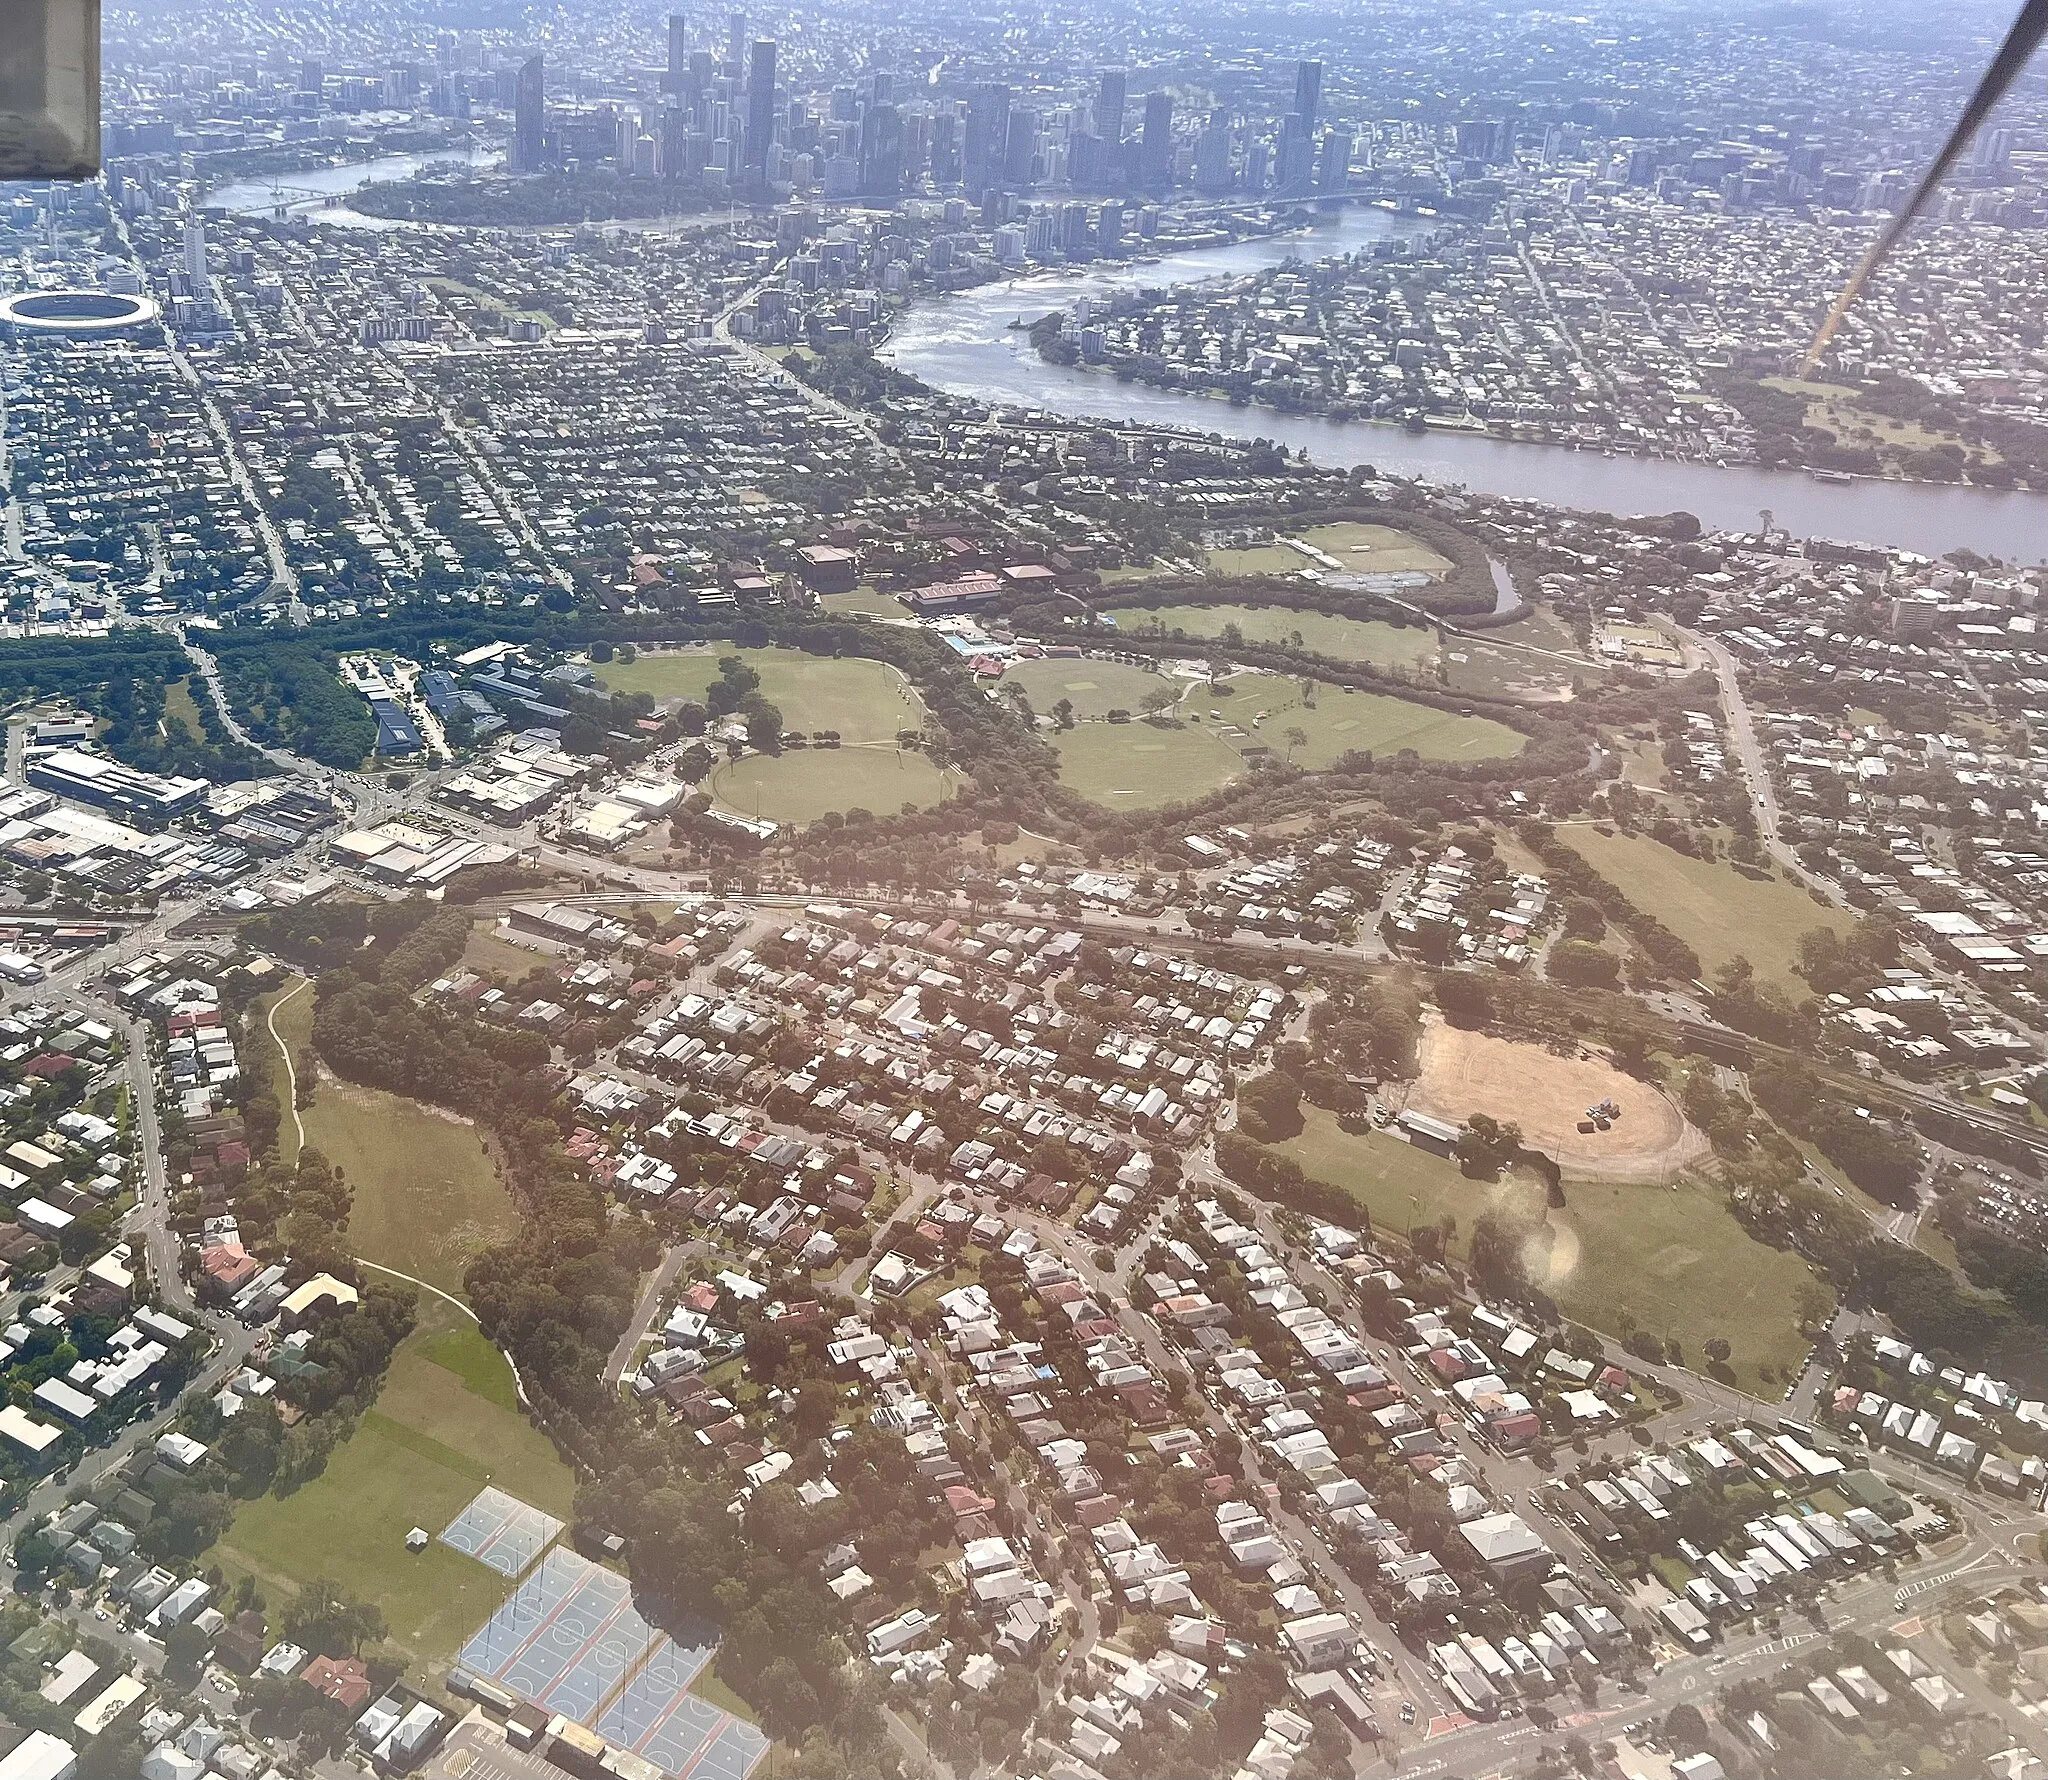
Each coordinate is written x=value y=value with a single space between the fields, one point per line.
x=1547 y=1095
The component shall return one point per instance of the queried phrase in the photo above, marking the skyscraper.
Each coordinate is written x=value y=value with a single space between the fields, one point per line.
x=736 y=45
x=1212 y=156
x=1333 y=165
x=195 y=253
x=760 y=111
x=1109 y=107
x=1308 y=91
x=1020 y=144
x=881 y=152
x=1296 y=155
x=677 y=77
x=986 y=136
x=529 y=116
x=1155 y=147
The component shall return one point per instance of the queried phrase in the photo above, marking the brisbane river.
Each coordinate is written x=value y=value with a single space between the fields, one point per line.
x=966 y=344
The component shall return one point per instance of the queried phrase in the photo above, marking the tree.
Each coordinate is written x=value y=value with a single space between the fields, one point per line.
x=1269 y=1107
x=185 y=1646
x=1582 y=965
x=324 y=1616
x=1297 y=737
x=1583 y=919
x=1159 y=699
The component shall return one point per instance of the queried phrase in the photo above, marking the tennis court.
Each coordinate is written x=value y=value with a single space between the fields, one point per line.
x=570 y=1640
x=501 y=1531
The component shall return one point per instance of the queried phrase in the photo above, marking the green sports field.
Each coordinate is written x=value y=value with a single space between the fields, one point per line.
x=1323 y=633
x=1261 y=708
x=865 y=701
x=801 y=784
x=445 y=1425
x=1093 y=688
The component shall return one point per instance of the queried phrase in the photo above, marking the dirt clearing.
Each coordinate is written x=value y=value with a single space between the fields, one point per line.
x=1548 y=1096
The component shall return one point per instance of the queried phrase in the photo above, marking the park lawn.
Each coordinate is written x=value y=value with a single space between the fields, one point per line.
x=487 y=949
x=1266 y=706
x=1712 y=906
x=1094 y=688
x=1832 y=408
x=1398 y=1185
x=865 y=701
x=1341 y=639
x=436 y=1436
x=802 y=784
x=863 y=602
x=1377 y=549
x=179 y=703
x=1137 y=766
x=1671 y=1261
x=295 y=1028
x=427 y=1199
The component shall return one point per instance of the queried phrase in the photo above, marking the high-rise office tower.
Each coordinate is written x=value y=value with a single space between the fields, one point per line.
x=1296 y=155
x=678 y=73
x=529 y=116
x=1333 y=165
x=312 y=76
x=1087 y=162
x=736 y=46
x=1212 y=156
x=1109 y=107
x=881 y=152
x=760 y=110
x=1020 y=143
x=945 y=146
x=987 y=135
x=1308 y=91
x=1155 y=147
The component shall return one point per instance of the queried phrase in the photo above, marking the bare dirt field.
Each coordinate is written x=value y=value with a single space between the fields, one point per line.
x=1547 y=1095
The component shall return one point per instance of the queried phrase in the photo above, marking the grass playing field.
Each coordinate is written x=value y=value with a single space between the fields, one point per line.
x=864 y=602
x=1093 y=688
x=445 y=1424
x=865 y=701
x=1143 y=766
x=1376 y=549
x=1712 y=907
x=1341 y=639
x=1136 y=767
x=1264 y=707
x=1670 y=1260
x=801 y=785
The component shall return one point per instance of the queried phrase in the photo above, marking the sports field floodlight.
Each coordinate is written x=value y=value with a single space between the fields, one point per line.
x=49 y=89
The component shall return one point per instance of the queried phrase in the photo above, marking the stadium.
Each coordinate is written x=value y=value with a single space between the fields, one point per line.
x=74 y=314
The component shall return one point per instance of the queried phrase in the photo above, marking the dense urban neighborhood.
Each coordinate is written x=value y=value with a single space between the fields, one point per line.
x=810 y=964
